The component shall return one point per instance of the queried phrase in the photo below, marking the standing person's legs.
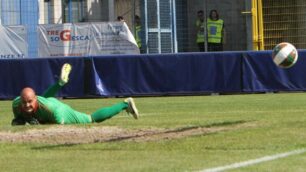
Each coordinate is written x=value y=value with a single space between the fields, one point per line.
x=201 y=46
x=210 y=47
x=220 y=47
x=215 y=47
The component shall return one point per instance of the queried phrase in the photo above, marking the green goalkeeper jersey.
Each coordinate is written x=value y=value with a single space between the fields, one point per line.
x=50 y=111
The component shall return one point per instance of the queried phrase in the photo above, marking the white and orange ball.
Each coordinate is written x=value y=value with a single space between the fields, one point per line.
x=284 y=55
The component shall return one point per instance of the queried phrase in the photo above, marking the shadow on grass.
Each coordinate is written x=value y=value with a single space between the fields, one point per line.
x=55 y=146
x=157 y=135
x=226 y=123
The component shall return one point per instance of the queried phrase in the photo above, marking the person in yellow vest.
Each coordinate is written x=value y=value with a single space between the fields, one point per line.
x=200 y=25
x=215 y=32
x=138 y=32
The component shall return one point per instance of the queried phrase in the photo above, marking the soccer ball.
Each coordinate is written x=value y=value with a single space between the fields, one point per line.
x=284 y=55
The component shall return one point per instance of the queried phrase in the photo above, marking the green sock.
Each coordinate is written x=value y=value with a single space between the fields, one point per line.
x=108 y=112
x=52 y=90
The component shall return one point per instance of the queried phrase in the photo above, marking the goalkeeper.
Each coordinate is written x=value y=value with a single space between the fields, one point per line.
x=33 y=109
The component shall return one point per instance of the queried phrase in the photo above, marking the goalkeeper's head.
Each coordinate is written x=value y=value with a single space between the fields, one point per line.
x=28 y=100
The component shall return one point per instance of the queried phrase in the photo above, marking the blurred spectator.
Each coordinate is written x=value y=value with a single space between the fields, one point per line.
x=215 y=32
x=200 y=40
x=138 y=32
x=120 y=18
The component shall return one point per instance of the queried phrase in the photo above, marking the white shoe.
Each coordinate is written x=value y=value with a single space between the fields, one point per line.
x=64 y=78
x=131 y=109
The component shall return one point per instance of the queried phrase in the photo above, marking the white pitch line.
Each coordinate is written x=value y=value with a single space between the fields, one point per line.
x=255 y=161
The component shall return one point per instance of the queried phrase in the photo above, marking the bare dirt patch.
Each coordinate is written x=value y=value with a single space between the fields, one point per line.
x=59 y=134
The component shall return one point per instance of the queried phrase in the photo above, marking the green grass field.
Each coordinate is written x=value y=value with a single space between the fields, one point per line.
x=214 y=131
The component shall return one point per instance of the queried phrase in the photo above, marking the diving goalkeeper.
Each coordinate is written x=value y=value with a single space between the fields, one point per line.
x=33 y=109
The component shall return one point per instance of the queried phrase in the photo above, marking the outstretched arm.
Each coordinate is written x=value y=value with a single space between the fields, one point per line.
x=20 y=120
